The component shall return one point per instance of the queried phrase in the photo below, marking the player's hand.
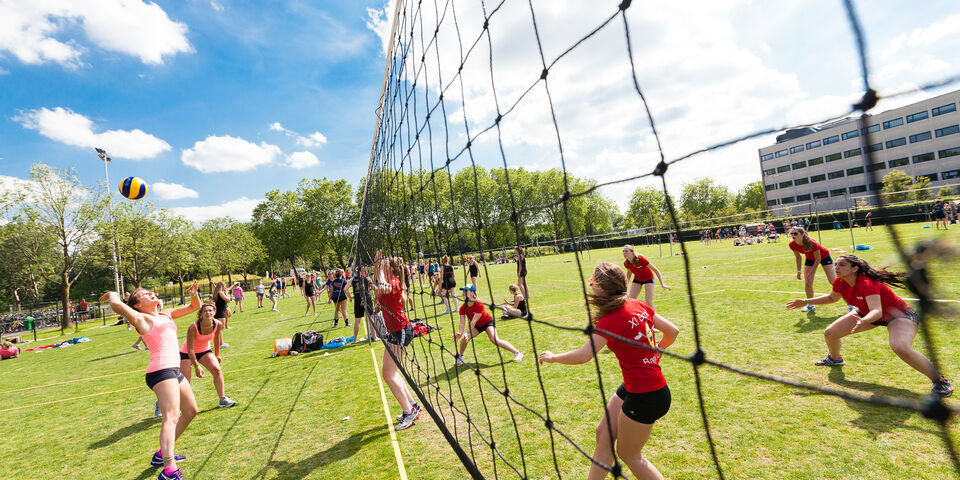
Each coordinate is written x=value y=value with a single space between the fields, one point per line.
x=109 y=296
x=199 y=372
x=798 y=275
x=860 y=326
x=668 y=287
x=192 y=289
x=219 y=360
x=546 y=356
x=796 y=303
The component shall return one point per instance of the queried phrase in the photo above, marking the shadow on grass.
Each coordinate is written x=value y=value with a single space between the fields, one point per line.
x=113 y=356
x=124 y=432
x=148 y=472
x=877 y=419
x=454 y=370
x=813 y=323
x=341 y=450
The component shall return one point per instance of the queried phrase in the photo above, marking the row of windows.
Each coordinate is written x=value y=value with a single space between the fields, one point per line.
x=899 y=162
x=896 y=122
x=923 y=157
x=836 y=192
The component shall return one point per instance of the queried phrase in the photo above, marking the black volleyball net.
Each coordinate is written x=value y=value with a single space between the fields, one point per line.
x=447 y=129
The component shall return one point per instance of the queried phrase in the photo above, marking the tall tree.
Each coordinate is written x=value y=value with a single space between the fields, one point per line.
x=27 y=252
x=750 y=198
x=896 y=186
x=648 y=207
x=704 y=198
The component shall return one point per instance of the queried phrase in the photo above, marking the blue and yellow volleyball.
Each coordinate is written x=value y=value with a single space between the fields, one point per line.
x=133 y=188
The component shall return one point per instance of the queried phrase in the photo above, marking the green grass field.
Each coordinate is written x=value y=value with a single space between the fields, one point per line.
x=85 y=409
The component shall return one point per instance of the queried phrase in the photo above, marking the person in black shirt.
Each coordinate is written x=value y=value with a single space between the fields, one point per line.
x=308 y=294
x=448 y=285
x=522 y=271
x=939 y=215
x=361 y=301
x=474 y=269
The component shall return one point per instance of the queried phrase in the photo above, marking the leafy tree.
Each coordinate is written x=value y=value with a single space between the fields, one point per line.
x=920 y=192
x=945 y=192
x=750 y=198
x=183 y=252
x=141 y=235
x=896 y=185
x=704 y=198
x=27 y=252
x=648 y=206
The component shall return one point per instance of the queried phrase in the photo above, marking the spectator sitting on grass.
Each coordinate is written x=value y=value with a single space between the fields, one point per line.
x=9 y=350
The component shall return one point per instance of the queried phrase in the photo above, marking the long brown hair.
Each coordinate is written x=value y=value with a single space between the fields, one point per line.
x=882 y=275
x=612 y=282
x=805 y=241
x=213 y=321
x=133 y=298
x=636 y=260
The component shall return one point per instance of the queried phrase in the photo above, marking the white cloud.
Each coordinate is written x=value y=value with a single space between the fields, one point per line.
x=275 y=126
x=301 y=160
x=33 y=31
x=381 y=22
x=228 y=154
x=66 y=126
x=316 y=139
x=172 y=191
x=216 y=5
x=240 y=209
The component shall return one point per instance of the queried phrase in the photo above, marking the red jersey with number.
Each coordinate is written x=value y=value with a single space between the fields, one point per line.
x=857 y=294
x=391 y=304
x=640 y=366
x=474 y=309
x=808 y=252
x=641 y=271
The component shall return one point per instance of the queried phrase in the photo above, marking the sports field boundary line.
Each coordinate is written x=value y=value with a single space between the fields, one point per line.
x=386 y=412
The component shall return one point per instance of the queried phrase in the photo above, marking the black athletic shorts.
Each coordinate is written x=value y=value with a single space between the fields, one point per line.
x=911 y=314
x=645 y=407
x=199 y=355
x=828 y=260
x=939 y=215
x=449 y=285
x=358 y=311
x=158 y=376
x=491 y=324
x=638 y=282
x=341 y=298
x=401 y=337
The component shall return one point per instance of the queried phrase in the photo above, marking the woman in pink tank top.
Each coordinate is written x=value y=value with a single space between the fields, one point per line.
x=196 y=349
x=174 y=396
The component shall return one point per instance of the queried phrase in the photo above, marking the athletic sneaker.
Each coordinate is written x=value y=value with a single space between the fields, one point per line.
x=157 y=460
x=176 y=475
x=406 y=421
x=445 y=312
x=830 y=362
x=518 y=356
x=225 y=402
x=346 y=323
x=156 y=410
x=808 y=308
x=416 y=407
x=274 y=310
x=225 y=345
x=459 y=360
x=136 y=346
x=942 y=388
x=504 y=317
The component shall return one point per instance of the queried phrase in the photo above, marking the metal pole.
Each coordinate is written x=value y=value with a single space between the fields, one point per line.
x=853 y=243
x=816 y=212
x=102 y=154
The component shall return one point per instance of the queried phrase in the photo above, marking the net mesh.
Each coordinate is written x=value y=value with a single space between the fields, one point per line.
x=413 y=208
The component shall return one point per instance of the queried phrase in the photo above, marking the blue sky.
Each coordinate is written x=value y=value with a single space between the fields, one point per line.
x=215 y=102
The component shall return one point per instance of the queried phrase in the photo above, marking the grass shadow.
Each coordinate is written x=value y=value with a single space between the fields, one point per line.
x=124 y=432
x=113 y=356
x=813 y=323
x=341 y=450
x=148 y=472
x=877 y=419
x=454 y=370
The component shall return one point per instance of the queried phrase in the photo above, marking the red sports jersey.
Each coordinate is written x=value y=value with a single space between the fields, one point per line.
x=394 y=316
x=640 y=367
x=476 y=308
x=864 y=287
x=814 y=246
x=641 y=272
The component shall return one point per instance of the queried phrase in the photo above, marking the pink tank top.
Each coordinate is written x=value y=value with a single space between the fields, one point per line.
x=162 y=342
x=201 y=343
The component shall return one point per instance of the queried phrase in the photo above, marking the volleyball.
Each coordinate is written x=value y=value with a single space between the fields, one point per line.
x=133 y=188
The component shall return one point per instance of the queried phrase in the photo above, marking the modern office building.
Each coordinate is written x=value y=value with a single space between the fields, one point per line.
x=826 y=165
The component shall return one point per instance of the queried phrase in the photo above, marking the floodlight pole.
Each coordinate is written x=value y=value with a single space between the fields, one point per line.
x=102 y=154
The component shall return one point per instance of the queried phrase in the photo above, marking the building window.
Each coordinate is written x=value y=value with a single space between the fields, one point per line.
x=788 y=183
x=769 y=171
x=875 y=187
x=950 y=174
x=799 y=165
x=849 y=135
x=898 y=162
x=786 y=200
x=896 y=142
x=785 y=168
x=837 y=192
x=771 y=203
x=781 y=153
x=766 y=157
x=896 y=122
x=923 y=157
x=818 y=178
x=815 y=161
x=798 y=148
x=950 y=107
x=870 y=129
x=917 y=116
x=772 y=186
x=931 y=176
x=822 y=194
x=857 y=189
x=851 y=153
x=833 y=157
x=921 y=137
x=942 y=132
x=801 y=181
x=813 y=144
x=837 y=174
x=876 y=147
x=950 y=152
x=803 y=198
x=854 y=171
x=833 y=139
x=876 y=166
